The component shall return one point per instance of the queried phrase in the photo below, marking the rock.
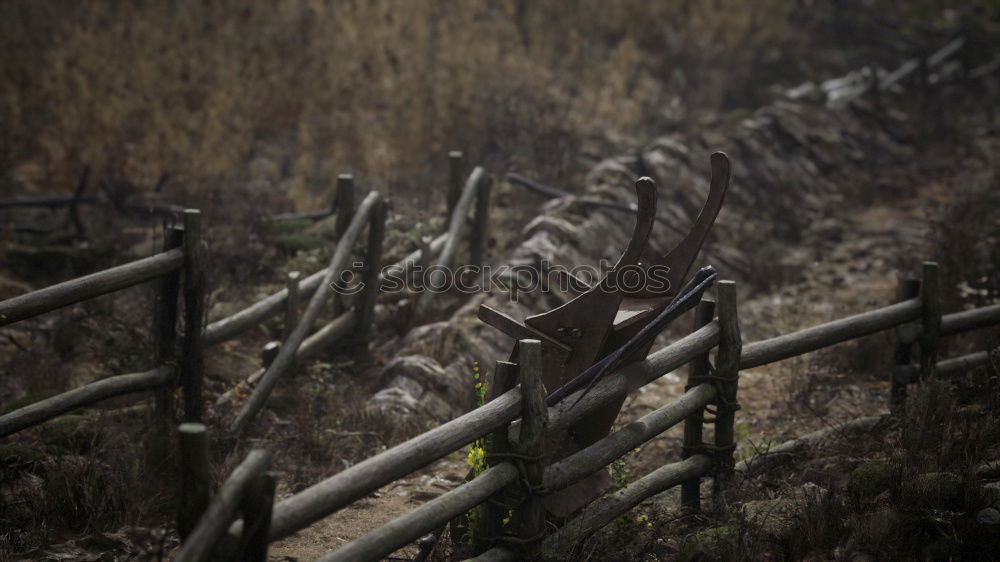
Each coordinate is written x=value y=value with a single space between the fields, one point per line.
x=870 y=479
x=776 y=517
x=941 y=490
x=717 y=543
x=425 y=371
x=991 y=494
x=71 y=433
x=392 y=404
x=989 y=517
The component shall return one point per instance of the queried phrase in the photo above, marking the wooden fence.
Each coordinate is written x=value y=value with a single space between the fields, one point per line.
x=181 y=255
x=181 y=365
x=516 y=393
x=518 y=480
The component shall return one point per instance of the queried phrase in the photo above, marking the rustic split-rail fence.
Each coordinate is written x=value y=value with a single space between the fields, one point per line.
x=241 y=519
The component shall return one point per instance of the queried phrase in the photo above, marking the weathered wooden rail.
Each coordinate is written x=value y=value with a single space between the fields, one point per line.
x=181 y=255
x=499 y=417
x=181 y=365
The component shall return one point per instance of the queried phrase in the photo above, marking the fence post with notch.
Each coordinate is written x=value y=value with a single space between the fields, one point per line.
x=727 y=367
x=497 y=445
x=698 y=371
x=529 y=518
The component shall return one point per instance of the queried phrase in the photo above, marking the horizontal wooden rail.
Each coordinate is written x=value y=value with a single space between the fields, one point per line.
x=349 y=485
x=302 y=215
x=403 y=530
x=605 y=511
x=45 y=202
x=810 y=339
x=87 y=394
x=222 y=509
x=628 y=379
x=968 y=320
x=788 y=450
x=428 y=517
x=89 y=286
x=232 y=326
x=356 y=482
x=315 y=344
x=583 y=463
x=910 y=373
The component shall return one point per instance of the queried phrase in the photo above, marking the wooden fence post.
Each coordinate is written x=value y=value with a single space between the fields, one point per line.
x=344 y=202
x=194 y=316
x=931 y=318
x=908 y=289
x=345 y=212
x=194 y=476
x=727 y=367
x=530 y=516
x=373 y=265
x=269 y=352
x=454 y=183
x=698 y=370
x=481 y=223
x=497 y=445
x=257 y=506
x=291 y=303
x=165 y=330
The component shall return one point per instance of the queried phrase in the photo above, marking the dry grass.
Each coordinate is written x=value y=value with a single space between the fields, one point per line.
x=289 y=93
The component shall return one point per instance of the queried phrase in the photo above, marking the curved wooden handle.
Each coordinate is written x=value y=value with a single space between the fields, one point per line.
x=682 y=257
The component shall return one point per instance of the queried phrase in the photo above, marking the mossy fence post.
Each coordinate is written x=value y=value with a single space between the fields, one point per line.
x=698 y=370
x=931 y=318
x=194 y=470
x=497 y=445
x=165 y=330
x=908 y=289
x=727 y=367
x=529 y=518
x=194 y=316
